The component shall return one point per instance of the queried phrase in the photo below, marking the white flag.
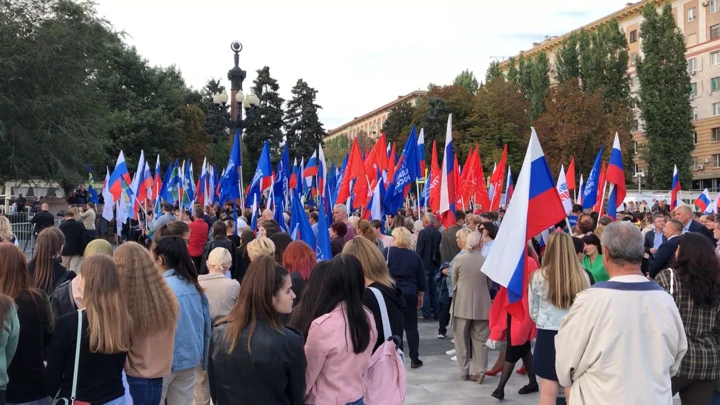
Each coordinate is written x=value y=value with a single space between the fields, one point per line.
x=563 y=191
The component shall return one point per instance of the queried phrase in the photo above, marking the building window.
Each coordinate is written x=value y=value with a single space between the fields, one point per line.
x=635 y=147
x=633 y=58
x=633 y=36
x=695 y=113
x=692 y=65
x=695 y=137
x=694 y=165
x=636 y=125
x=716 y=160
x=634 y=81
x=713 y=6
x=715 y=134
x=715 y=84
x=693 y=90
x=716 y=109
x=715 y=58
x=691 y=14
x=637 y=170
x=715 y=31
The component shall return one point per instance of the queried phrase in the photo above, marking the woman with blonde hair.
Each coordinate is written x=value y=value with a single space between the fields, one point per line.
x=551 y=292
x=408 y=271
x=6 y=234
x=154 y=311
x=46 y=271
x=260 y=247
x=106 y=330
x=377 y=275
x=222 y=292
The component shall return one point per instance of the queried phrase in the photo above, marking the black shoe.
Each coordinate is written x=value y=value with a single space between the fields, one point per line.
x=416 y=363
x=528 y=389
x=498 y=393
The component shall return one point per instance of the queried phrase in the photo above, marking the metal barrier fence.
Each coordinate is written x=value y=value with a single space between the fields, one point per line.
x=23 y=232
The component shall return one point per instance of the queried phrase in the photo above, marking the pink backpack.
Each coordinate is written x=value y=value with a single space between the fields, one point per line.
x=385 y=377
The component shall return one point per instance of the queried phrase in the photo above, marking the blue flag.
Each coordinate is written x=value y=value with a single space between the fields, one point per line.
x=323 y=250
x=591 y=186
x=168 y=183
x=230 y=182
x=406 y=174
x=264 y=169
x=301 y=228
x=91 y=186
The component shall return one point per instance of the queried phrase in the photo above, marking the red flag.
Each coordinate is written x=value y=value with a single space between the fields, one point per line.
x=391 y=164
x=376 y=160
x=360 y=192
x=497 y=179
x=468 y=178
x=481 y=192
x=601 y=190
x=435 y=176
x=459 y=202
x=353 y=170
x=570 y=175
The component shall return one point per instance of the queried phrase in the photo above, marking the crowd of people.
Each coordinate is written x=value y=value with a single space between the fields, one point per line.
x=201 y=308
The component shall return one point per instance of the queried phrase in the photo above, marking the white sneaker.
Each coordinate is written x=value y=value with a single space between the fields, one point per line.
x=450 y=352
x=452 y=340
x=440 y=336
x=453 y=358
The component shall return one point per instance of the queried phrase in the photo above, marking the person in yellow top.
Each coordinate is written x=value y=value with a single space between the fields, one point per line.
x=593 y=260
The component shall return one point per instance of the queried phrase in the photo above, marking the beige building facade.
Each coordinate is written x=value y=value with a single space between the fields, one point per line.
x=699 y=21
x=372 y=122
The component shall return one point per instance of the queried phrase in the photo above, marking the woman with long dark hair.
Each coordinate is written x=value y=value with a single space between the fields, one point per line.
x=46 y=271
x=694 y=283
x=254 y=358
x=192 y=337
x=27 y=370
x=339 y=337
x=103 y=346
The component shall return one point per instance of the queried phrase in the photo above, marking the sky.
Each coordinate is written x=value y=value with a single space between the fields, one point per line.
x=358 y=55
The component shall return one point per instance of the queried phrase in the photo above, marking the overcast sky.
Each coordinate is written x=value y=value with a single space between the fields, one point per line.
x=358 y=55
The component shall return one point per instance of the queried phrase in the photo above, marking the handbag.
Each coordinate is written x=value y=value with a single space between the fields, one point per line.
x=72 y=401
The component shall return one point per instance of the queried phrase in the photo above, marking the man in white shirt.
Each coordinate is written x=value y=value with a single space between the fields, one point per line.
x=623 y=339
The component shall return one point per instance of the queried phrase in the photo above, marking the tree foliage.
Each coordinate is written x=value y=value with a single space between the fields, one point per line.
x=466 y=79
x=539 y=84
x=398 y=122
x=665 y=97
x=493 y=72
x=303 y=129
x=263 y=122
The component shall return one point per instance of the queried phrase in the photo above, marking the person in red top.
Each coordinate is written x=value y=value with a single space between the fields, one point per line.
x=199 y=231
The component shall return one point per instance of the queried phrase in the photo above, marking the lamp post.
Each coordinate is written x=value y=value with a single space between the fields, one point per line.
x=236 y=76
x=639 y=176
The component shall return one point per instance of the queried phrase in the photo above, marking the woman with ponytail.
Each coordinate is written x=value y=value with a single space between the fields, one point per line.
x=46 y=271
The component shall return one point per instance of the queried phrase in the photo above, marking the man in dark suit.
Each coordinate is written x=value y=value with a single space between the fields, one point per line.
x=42 y=220
x=685 y=215
x=428 y=247
x=654 y=238
x=664 y=256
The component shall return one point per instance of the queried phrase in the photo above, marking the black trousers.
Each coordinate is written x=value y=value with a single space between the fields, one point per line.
x=444 y=317
x=410 y=325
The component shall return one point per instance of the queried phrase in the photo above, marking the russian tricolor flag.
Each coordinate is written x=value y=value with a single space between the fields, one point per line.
x=615 y=175
x=421 y=151
x=534 y=208
x=120 y=173
x=703 y=200
x=447 y=180
x=675 y=189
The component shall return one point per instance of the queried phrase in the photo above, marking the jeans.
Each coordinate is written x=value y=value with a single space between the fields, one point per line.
x=444 y=317
x=116 y=401
x=41 y=401
x=715 y=398
x=431 y=304
x=410 y=325
x=360 y=401
x=145 y=391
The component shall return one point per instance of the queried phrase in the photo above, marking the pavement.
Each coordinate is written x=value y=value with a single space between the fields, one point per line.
x=438 y=380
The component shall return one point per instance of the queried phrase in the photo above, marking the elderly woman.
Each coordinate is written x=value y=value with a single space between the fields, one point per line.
x=471 y=309
x=461 y=240
x=408 y=271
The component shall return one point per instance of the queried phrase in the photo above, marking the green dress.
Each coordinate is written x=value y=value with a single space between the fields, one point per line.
x=595 y=268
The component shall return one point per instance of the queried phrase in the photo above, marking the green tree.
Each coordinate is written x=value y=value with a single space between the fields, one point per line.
x=665 y=97
x=567 y=58
x=512 y=73
x=217 y=117
x=303 y=129
x=524 y=80
x=540 y=84
x=398 y=121
x=466 y=79
x=493 y=72
x=263 y=122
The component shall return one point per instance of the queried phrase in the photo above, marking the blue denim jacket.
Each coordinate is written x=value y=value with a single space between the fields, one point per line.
x=192 y=337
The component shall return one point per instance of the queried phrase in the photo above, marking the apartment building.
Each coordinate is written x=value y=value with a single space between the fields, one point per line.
x=372 y=122
x=699 y=21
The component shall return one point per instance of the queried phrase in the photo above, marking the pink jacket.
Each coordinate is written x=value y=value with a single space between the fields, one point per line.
x=334 y=373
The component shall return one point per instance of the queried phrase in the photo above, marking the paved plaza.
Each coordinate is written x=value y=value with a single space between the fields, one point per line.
x=438 y=382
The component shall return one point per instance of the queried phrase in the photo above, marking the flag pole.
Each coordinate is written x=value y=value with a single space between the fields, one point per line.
x=417 y=196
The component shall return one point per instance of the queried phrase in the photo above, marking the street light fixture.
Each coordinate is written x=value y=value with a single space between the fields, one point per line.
x=639 y=176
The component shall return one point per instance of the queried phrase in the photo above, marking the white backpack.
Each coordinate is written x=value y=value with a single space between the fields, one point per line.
x=385 y=377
